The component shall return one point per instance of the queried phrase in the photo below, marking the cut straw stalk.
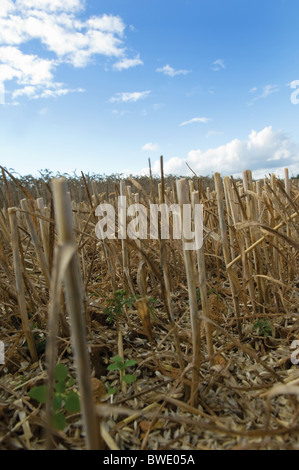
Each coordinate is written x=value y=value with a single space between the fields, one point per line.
x=165 y=280
x=233 y=280
x=183 y=198
x=288 y=197
x=36 y=242
x=44 y=227
x=203 y=287
x=12 y=214
x=260 y=240
x=124 y=246
x=3 y=227
x=276 y=257
x=166 y=275
x=62 y=257
x=141 y=274
x=239 y=239
x=74 y=299
x=250 y=237
x=287 y=184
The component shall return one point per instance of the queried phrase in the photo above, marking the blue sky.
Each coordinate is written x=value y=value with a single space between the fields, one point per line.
x=101 y=86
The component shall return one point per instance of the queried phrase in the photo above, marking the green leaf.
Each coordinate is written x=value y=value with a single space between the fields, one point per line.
x=59 y=421
x=130 y=363
x=129 y=378
x=39 y=393
x=111 y=390
x=61 y=372
x=117 y=364
x=72 y=402
x=120 y=293
x=130 y=301
x=117 y=359
x=113 y=366
x=60 y=387
x=57 y=402
x=70 y=382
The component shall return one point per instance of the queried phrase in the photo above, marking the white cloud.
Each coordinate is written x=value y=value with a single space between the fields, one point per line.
x=75 y=41
x=126 y=63
x=107 y=23
x=167 y=70
x=60 y=91
x=35 y=92
x=66 y=37
x=218 y=65
x=6 y=6
x=25 y=68
x=72 y=40
x=203 y=120
x=263 y=152
x=50 y=5
x=128 y=97
x=150 y=147
x=26 y=91
x=266 y=91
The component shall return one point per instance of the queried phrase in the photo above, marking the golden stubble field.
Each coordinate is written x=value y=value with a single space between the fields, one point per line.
x=138 y=344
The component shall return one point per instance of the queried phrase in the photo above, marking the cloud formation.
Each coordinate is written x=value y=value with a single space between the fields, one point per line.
x=129 y=97
x=266 y=91
x=150 y=147
x=263 y=152
x=171 y=72
x=65 y=37
x=126 y=63
x=203 y=120
x=218 y=65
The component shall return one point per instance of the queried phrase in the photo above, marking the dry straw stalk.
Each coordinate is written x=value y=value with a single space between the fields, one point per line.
x=74 y=298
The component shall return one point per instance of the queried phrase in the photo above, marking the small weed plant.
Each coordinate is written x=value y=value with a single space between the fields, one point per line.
x=117 y=363
x=65 y=398
x=262 y=327
x=118 y=301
